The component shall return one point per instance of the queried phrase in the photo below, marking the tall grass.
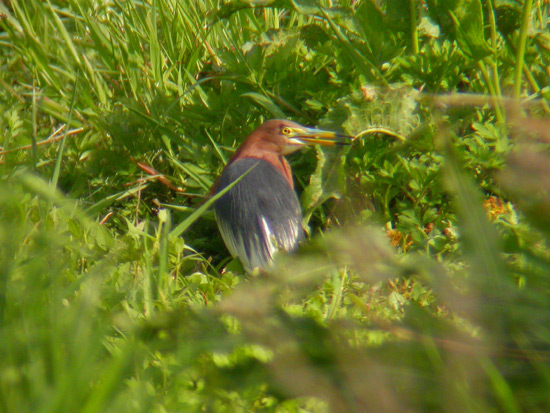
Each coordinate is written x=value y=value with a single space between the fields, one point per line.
x=425 y=282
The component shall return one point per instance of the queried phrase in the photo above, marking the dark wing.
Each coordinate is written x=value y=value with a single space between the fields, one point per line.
x=259 y=215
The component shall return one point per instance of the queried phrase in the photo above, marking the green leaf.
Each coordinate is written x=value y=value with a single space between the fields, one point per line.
x=464 y=19
x=266 y=103
x=327 y=181
x=470 y=30
x=393 y=108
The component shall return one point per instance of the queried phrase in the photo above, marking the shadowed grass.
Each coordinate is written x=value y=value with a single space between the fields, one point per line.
x=432 y=295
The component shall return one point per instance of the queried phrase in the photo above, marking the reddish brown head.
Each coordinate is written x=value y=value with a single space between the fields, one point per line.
x=277 y=138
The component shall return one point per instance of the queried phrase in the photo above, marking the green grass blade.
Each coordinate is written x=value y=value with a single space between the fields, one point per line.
x=182 y=226
x=57 y=168
x=520 y=51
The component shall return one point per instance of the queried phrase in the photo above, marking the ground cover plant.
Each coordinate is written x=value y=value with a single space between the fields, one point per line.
x=424 y=284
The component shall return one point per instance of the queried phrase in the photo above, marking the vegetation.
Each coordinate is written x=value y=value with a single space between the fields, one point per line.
x=425 y=282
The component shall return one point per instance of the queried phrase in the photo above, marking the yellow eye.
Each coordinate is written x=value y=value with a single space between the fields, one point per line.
x=286 y=131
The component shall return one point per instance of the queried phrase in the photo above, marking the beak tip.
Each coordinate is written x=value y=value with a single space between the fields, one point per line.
x=324 y=137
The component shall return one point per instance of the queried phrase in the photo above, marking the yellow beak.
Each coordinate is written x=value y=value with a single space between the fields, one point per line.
x=313 y=136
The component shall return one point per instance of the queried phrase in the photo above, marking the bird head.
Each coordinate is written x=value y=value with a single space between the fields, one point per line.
x=289 y=136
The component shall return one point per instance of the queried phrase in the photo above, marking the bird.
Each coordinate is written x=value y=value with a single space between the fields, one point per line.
x=260 y=214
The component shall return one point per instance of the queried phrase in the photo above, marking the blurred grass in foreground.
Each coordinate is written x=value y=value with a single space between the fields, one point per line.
x=118 y=116
x=87 y=324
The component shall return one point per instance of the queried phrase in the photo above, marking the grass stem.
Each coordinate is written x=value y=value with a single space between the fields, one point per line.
x=522 y=42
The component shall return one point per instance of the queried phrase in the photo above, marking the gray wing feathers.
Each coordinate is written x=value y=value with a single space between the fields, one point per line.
x=259 y=215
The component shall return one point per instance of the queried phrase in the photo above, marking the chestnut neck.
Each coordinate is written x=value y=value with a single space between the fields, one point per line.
x=257 y=148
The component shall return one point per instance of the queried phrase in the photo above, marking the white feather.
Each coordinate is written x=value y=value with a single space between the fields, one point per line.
x=270 y=238
x=267 y=243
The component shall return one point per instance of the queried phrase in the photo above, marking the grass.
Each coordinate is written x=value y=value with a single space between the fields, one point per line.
x=424 y=284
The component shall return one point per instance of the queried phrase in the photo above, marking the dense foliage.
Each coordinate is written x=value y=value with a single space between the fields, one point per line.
x=425 y=282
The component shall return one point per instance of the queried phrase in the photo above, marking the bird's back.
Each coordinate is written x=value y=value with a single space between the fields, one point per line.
x=260 y=214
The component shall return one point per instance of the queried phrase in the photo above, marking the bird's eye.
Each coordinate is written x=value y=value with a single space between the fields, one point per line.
x=286 y=131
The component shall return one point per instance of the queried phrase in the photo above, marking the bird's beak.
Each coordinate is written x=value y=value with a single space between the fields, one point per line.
x=311 y=136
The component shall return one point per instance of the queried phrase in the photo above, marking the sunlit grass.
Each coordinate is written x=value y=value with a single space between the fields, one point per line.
x=425 y=282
